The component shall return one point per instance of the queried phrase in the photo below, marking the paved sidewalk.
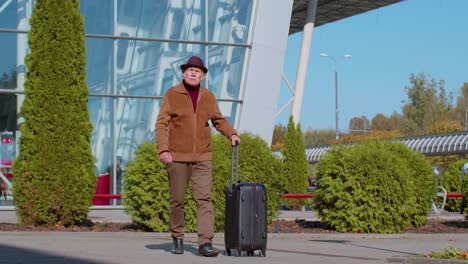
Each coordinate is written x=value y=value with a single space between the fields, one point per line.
x=145 y=247
x=136 y=247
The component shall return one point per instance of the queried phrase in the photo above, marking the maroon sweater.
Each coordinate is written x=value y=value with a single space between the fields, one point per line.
x=193 y=92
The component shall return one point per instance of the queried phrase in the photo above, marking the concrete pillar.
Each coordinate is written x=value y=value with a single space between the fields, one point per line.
x=303 y=61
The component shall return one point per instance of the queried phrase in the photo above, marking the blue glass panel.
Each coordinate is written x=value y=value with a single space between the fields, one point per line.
x=8 y=14
x=146 y=68
x=135 y=125
x=228 y=109
x=101 y=113
x=99 y=65
x=98 y=16
x=169 y=19
x=15 y=14
x=225 y=64
x=8 y=61
x=229 y=20
x=8 y=108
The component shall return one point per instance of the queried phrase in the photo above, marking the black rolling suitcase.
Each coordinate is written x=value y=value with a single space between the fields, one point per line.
x=245 y=225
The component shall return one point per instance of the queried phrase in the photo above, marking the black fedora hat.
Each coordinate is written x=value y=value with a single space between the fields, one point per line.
x=196 y=62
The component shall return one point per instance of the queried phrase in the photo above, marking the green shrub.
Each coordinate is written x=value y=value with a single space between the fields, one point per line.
x=145 y=189
x=146 y=194
x=423 y=180
x=451 y=181
x=146 y=184
x=373 y=187
x=450 y=252
x=54 y=172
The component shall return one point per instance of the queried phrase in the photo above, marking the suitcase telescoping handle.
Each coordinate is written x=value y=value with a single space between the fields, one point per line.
x=234 y=167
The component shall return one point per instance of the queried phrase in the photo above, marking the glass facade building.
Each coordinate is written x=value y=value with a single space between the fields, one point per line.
x=134 y=50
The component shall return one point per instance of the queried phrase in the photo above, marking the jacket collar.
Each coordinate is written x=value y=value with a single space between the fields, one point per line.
x=181 y=89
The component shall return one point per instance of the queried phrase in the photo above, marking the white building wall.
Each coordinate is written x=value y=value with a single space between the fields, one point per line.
x=265 y=67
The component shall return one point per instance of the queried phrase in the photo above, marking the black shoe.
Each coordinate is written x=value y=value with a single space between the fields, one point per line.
x=178 y=247
x=207 y=250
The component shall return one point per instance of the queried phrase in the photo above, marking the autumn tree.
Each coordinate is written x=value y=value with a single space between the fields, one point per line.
x=359 y=125
x=54 y=172
x=461 y=110
x=380 y=122
x=351 y=137
x=427 y=101
x=445 y=126
x=318 y=137
x=278 y=137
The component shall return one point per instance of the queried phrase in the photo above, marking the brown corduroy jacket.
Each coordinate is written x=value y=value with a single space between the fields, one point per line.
x=185 y=134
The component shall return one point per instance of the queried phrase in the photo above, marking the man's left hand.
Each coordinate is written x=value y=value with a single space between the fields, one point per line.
x=235 y=140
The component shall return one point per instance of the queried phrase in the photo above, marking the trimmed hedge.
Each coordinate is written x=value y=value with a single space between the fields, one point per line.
x=146 y=196
x=373 y=187
x=145 y=189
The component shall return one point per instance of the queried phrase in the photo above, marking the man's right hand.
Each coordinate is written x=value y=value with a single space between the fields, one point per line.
x=165 y=157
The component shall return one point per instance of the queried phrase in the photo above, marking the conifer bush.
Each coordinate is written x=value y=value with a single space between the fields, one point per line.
x=451 y=181
x=54 y=179
x=295 y=166
x=373 y=187
x=146 y=196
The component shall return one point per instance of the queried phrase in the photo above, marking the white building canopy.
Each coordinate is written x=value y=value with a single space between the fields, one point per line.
x=332 y=10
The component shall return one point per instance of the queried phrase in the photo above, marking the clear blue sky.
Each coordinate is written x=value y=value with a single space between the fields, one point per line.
x=387 y=45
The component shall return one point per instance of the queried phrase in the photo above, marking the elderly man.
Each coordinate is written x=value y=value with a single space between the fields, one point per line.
x=183 y=138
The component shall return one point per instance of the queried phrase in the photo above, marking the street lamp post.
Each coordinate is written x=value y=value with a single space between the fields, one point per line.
x=355 y=124
x=347 y=56
x=364 y=121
